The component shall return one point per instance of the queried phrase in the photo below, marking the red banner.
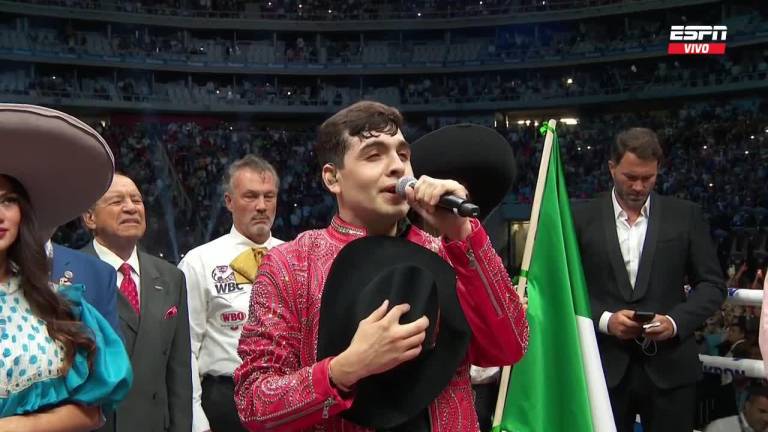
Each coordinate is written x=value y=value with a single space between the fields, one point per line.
x=710 y=48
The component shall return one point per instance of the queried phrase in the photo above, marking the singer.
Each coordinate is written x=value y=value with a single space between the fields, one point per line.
x=282 y=385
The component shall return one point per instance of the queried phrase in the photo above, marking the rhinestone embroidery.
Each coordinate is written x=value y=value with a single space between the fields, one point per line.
x=275 y=385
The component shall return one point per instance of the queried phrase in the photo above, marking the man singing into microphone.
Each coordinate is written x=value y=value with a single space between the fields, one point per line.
x=280 y=384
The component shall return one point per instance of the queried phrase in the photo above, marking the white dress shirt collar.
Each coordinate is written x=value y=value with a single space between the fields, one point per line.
x=245 y=241
x=619 y=212
x=743 y=423
x=115 y=261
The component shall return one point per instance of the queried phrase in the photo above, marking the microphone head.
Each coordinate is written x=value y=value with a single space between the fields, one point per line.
x=403 y=183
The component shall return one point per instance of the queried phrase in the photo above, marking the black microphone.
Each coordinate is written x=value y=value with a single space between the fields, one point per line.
x=459 y=206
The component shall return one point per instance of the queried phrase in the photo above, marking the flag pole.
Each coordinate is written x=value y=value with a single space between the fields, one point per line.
x=528 y=251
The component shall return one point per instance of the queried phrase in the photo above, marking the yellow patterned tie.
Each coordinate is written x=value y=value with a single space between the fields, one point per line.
x=246 y=265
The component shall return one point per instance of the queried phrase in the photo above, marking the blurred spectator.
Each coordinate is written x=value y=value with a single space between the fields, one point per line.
x=552 y=43
x=713 y=160
x=754 y=416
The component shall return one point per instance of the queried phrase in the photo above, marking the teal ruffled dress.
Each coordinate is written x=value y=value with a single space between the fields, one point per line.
x=31 y=362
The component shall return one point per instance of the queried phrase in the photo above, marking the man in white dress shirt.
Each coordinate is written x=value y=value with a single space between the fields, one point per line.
x=639 y=249
x=152 y=310
x=219 y=279
x=753 y=418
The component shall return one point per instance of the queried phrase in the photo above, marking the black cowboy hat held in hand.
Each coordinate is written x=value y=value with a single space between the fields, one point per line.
x=368 y=271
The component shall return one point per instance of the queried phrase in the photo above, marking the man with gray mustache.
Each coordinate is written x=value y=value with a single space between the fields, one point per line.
x=219 y=275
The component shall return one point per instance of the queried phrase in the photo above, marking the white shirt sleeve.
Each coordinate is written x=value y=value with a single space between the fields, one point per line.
x=483 y=375
x=726 y=424
x=674 y=325
x=198 y=315
x=603 y=324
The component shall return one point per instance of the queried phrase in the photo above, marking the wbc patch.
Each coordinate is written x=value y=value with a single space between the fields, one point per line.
x=224 y=280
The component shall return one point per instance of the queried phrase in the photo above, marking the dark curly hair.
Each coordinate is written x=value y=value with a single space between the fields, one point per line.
x=362 y=119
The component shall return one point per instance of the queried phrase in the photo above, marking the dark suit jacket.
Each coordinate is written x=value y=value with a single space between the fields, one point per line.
x=98 y=277
x=677 y=245
x=159 y=346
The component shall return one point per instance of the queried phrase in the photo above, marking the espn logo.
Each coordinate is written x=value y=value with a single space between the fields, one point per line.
x=697 y=39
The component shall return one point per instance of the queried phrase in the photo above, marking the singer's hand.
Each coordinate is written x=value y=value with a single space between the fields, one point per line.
x=423 y=198
x=379 y=344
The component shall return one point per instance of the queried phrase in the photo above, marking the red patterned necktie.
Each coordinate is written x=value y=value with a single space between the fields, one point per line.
x=128 y=287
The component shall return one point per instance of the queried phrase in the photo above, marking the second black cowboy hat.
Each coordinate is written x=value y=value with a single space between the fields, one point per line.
x=368 y=271
x=476 y=156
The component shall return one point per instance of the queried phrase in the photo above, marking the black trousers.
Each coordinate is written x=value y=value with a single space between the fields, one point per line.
x=661 y=410
x=218 y=401
x=485 y=403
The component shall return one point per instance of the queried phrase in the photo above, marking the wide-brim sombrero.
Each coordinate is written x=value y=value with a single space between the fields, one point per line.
x=64 y=165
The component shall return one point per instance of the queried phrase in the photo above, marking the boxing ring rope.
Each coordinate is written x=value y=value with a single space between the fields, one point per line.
x=737 y=367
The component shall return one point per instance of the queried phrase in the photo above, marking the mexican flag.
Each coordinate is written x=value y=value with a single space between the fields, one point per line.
x=559 y=385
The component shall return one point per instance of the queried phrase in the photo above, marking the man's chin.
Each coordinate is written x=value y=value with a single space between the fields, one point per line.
x=259 y=231
x=390 y=211
x=130 y=235
x=261 y=225
x=636 y=203
x=398 y=213
x=131 y=231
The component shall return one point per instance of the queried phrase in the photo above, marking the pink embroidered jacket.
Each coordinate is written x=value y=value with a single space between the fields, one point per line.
x=280 y=385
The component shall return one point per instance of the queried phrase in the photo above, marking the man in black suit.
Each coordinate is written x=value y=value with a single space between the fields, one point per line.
x=152 y=307
x=639 y=249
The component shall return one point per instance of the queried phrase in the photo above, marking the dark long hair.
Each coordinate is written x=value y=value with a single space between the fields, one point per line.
x=34 y=267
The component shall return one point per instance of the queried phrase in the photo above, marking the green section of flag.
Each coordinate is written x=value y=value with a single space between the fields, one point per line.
x=548 y=388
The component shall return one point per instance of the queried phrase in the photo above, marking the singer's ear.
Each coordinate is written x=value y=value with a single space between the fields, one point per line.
x=330 y=178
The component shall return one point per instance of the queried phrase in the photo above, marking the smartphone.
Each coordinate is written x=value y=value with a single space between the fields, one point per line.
x=643 y=317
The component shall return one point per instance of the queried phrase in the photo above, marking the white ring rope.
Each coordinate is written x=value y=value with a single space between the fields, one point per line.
x=737 y=367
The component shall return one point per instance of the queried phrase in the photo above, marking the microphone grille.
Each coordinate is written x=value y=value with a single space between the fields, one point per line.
x=402 y=184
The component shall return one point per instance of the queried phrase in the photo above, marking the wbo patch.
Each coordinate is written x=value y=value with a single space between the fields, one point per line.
x=232 y=319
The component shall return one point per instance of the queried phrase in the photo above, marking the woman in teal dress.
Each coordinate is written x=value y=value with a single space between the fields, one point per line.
x=62 y=366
